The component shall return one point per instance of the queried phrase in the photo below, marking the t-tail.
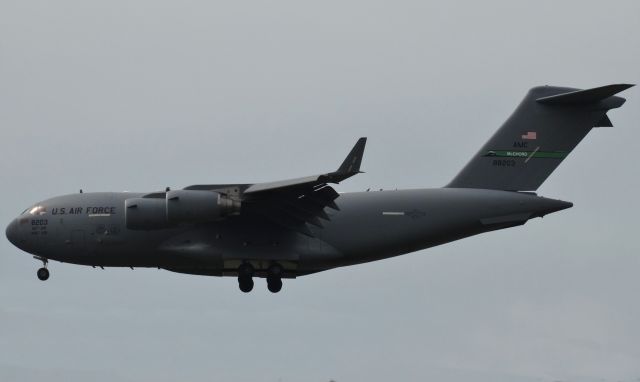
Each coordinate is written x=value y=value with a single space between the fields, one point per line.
x=547 y=125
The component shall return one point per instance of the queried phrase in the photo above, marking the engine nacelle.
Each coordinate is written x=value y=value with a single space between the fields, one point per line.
x=179 y=206
x=199 y=206
x=146 y=213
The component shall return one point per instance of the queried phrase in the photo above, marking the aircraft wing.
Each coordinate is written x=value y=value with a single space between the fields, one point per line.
x=295 y=203
x=350 y=167
x=292 y=203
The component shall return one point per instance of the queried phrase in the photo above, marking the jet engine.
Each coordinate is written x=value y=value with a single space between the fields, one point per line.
x=199 y=206
x=146 y=213
x=179 y=206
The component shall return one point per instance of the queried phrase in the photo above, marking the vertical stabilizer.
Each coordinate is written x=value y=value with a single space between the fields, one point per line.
x=543 y=130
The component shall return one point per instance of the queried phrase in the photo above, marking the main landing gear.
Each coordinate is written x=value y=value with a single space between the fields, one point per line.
x=274 y=278
x=245 y=278
x=43 y=273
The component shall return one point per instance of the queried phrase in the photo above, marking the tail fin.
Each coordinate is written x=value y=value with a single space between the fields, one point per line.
x=541 y=132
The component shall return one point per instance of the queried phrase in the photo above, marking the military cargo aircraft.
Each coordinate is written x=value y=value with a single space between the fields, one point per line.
x=290 y=228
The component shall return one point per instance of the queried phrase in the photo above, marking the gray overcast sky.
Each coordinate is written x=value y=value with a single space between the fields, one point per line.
x=139 y=95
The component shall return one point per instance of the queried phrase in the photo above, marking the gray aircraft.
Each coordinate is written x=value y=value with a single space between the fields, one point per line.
x=296 y=227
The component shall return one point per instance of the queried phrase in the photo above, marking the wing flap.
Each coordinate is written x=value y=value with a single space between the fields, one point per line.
x=297 y=211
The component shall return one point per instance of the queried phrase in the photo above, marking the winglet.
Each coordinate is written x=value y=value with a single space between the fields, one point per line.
x=351 y=164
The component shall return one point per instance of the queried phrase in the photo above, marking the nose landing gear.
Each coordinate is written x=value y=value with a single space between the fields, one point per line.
x=43 y=273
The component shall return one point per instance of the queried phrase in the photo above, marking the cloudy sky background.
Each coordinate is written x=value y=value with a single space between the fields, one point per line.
x=139 y=95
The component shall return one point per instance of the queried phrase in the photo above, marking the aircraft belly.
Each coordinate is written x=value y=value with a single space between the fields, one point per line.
x=220 y=248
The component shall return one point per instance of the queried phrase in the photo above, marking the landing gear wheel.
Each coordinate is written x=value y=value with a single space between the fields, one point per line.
x=43 y=274
x=274 y=285
x=245 y=284
x=245 y=280
x=274 y=278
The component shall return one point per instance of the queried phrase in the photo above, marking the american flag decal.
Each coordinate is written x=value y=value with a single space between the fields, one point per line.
x=531 y=135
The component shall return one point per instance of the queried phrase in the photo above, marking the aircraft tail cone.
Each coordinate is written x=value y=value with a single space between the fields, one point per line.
x=548 y=206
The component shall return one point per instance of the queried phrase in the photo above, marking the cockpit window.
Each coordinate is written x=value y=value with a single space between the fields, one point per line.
x=36 y=210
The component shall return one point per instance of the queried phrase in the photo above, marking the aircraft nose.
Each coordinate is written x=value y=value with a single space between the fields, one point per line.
x=12 y=232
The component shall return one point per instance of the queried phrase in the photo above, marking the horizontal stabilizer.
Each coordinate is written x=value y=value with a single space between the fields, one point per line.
x=585 y=96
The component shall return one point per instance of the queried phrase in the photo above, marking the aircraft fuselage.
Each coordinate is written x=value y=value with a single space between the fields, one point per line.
x=90 y=229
